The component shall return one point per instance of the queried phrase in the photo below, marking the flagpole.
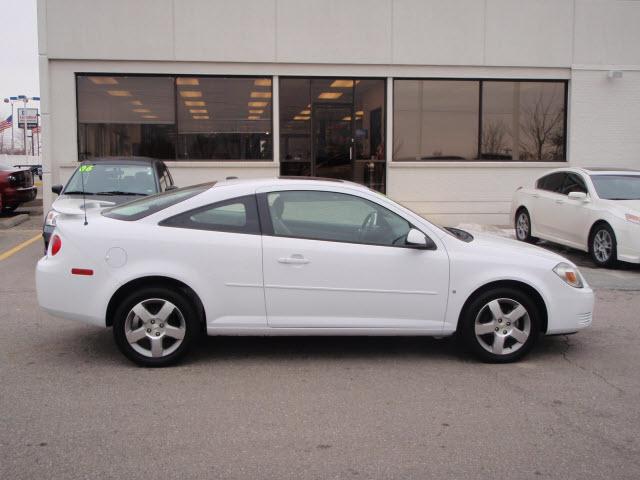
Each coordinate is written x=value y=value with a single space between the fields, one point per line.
x=12 y=127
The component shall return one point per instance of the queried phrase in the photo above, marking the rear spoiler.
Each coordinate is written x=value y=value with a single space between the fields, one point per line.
x=71 y=206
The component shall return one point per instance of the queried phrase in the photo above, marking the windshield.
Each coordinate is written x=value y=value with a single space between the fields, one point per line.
x=617 y=187
x=143 y=207
x=113 y=179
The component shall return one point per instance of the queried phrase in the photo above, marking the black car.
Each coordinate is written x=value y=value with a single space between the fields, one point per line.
x=112 y=179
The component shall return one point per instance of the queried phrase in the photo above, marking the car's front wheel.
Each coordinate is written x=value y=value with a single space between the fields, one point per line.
x=155 y=326
x=603 y=246
x=500 y=325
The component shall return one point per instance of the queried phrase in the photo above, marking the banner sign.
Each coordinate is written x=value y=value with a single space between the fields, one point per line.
x=30 y=115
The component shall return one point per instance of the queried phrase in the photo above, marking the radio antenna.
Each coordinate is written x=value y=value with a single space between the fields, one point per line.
x=84 y=197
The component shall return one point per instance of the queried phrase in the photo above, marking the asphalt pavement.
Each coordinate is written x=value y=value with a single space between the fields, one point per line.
x=72 y=407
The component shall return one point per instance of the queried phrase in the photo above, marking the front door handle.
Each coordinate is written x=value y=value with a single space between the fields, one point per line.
x=294 y=260
x=535 y=195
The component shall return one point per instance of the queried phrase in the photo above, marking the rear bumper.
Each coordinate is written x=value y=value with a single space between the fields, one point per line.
x=69 y=296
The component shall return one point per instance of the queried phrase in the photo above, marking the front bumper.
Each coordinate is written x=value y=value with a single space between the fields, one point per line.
x=628 y=242
x=16 y=196
x=570 y=310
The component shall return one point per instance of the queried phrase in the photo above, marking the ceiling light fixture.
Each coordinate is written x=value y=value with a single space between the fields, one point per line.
x=258 y=104
x=256 y=112
x=343 y=83
x=329 y=95
x=191 y=94
x=253 y=117
x=194 y=103
x=360 y=113
x=119 y=93
x=187 y=81
x=260 y=94
x=301 y=117
x=346 y=119
x=305 y=112
x=200 y=117
x=142 y=110
x=149 y=116
x=136 y=102
x=104 y=80
x=262 y=82
x=198 y=110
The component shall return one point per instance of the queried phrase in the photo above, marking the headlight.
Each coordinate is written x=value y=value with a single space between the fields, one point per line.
x=569 y=274
x=632 y=218
x=50 y=220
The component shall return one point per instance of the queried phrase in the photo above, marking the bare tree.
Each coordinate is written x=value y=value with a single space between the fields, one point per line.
x=542 y=126
x=493 y=137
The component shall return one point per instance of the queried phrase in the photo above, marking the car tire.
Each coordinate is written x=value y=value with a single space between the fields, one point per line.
x=9 y=208
x=522 y=226
x=155 y=326
x=500 y=325
x=603 y=246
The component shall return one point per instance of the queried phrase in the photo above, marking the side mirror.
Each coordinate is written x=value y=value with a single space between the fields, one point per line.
x=578 y=196
x=171 y=187
x=417 y=239
x=57 y=189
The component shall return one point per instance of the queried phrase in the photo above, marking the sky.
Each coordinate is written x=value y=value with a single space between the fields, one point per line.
x=19 y=52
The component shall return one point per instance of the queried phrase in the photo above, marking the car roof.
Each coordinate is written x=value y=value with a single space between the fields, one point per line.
x=122 y=161
x=610 y=170
x=288 y=181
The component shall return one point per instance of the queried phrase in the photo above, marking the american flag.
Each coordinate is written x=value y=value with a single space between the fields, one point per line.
x=6 y=123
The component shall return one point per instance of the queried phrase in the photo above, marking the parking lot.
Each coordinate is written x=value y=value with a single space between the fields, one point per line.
x=71 y=406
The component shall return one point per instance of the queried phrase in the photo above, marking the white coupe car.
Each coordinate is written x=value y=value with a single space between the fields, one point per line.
x=594 y=210
x=299 y=257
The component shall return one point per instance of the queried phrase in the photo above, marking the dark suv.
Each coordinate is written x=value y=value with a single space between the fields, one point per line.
x=16 y=187
x=116 y=180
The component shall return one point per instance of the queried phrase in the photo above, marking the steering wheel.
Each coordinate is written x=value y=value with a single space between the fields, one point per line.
x=369 y=221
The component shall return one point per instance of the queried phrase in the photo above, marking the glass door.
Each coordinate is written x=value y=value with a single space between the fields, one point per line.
x=332 y=141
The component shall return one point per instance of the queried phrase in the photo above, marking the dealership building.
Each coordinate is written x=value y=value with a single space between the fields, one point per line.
x=447 y=106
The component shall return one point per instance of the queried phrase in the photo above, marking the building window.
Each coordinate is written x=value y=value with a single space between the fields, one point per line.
x=175 y=118
x=224 y=118
x=126 y=116
x=460 y=120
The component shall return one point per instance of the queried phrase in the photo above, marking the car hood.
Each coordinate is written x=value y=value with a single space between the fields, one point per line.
x=502 y=247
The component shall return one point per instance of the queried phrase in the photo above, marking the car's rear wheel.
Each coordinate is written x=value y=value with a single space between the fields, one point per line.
x=523 y=226
x=500 y=325
x=603 y=246
x=155 y=327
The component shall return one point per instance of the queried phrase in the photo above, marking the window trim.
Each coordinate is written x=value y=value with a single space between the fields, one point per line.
x=267 y=225
x=256 y=229
x=175 y=76
x=479 y=161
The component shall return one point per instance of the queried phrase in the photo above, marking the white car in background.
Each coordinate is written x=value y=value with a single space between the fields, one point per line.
x=595 y=210
x=299 y=257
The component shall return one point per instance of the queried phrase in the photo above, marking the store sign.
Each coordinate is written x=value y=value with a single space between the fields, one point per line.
x=28 y=115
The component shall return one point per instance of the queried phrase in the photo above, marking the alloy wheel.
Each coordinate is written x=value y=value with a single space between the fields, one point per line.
x=502 y=326
x=522 y=226
x=602 y=246
x=155 y=328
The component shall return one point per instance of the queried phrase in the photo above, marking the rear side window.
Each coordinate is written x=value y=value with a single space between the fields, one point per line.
x=573 y=183
x=237 y=215
x=552 y=182
x=146 y=206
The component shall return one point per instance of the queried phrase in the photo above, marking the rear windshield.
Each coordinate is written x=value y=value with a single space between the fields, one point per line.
x=138 y=209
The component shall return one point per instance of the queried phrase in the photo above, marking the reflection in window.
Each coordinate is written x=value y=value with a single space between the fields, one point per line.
x=479 y=120
x=523 y=121
x=217 y=118
x=224 y=118
x=436 y=120
x=126 y=116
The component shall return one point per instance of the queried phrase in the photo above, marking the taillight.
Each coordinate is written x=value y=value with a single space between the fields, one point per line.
x=56 y=244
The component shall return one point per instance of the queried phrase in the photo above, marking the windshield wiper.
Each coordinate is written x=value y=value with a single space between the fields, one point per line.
x=118 y=192
x=77 y=192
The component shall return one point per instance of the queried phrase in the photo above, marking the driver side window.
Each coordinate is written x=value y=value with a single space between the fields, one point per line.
x=335 y=217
